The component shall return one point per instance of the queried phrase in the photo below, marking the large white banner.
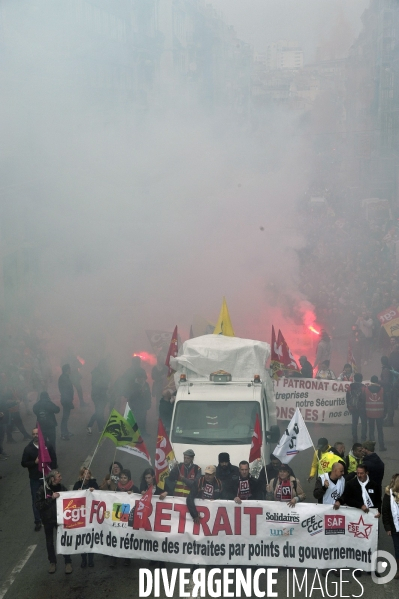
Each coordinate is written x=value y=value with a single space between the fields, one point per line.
x=255 y=533
x=318 y=400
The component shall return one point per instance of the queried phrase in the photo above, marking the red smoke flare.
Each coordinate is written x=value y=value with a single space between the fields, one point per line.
x=146 y=357
x=314 y=330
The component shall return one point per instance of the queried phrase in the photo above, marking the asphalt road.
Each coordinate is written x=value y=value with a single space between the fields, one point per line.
x=23 y=558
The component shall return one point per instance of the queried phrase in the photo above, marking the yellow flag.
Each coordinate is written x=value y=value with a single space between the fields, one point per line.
x=223 y=325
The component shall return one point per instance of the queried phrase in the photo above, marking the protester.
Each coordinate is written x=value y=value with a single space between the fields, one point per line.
x=306 y=368
x=45 y=411
x=346 y=374
x=100 y=380
x=271 y=471
x=242 y=487
x=66 y=392
x=361 y=492
x=15 y=420
x=323 y=459
x=47 y=507
x=140 y=400
x=125 y=483
x=390 y=515
x=285 y=487
x=386 y=381
x=166 y=409
x=365 y=324
x=330 y=486
x=184 y=475
x=148 y=480
x=225 y=470
x=375 y=466
x=325 y=372
x=159 y=375
x=30 y=460
x=86 y=481
x=205 y=487
x=354 y=457
x=375 y=410
x=323 y=352
x=111 y=480
x=356 y=403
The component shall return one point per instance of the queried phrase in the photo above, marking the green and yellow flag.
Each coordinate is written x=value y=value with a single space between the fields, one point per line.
x=124 y=432
x=223 y=325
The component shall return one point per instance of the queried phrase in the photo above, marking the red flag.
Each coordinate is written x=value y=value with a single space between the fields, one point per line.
x=143 y=509
x=44 y=463
x=163 y=455
x=256 y=443
x=172 y=352
x=288 y=359
x=276 y=356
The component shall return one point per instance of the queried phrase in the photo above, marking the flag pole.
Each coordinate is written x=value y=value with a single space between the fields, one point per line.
x=99 y=441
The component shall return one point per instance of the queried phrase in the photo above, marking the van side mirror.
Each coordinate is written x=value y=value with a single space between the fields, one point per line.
x=273 y=435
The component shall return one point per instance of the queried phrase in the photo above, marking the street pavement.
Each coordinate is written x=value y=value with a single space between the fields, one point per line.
x=23 y=564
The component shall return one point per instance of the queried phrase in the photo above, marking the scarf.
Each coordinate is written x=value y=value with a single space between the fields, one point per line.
x=207 y=491
x=334 y=489
x=283 y=490
x=394 y=509
x=127 y=487
x=244 y=491
x=365 y=496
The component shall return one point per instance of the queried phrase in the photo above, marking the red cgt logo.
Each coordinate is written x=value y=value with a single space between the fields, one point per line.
x=74 y=512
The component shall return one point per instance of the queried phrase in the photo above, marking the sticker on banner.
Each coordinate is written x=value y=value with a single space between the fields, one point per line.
x=74 y=512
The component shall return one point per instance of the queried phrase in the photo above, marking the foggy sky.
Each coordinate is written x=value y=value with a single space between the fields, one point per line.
x=143 y=220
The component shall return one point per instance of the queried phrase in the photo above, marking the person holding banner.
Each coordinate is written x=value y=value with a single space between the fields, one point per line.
x=207 y=487
x=185 y=475
x=285 y=487
x=330 y=486
x=46 y=503
x=361 y=492
x=242 y=487
x=148 y=480
x=390 y=515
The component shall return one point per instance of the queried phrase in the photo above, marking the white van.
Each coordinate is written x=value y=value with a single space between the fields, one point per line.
x=215 y=409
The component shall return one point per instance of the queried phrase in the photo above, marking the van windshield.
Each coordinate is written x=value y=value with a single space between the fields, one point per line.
x=214 y=422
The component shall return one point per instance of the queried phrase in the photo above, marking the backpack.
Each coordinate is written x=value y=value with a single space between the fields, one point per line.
x=355 y=398
x=42 y=418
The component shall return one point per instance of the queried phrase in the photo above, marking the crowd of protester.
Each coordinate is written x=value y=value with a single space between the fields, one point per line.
x=349 y=271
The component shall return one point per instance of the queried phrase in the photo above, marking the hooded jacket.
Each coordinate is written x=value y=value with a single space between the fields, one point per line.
x=375 y=467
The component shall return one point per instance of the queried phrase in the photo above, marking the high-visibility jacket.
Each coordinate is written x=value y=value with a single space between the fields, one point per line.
x=352 y=462
x=375 y=404
x=181 y=489
x=325 y=463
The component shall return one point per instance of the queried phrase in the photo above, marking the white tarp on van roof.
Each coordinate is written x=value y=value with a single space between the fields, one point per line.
x=242 y=358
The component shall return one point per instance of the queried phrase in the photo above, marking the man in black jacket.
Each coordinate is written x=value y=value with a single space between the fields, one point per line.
x=242 y=487
x=373 y=463
x=66 y=391
x=225 y=470
x=46 y=503
x=30 y=461
x=306 y=368
x=361 y=492
x=45 y=411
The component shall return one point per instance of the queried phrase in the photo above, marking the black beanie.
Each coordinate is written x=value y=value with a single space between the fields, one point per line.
x=224 y=457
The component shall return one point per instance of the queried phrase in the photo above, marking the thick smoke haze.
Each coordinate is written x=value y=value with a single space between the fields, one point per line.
x=142 y=218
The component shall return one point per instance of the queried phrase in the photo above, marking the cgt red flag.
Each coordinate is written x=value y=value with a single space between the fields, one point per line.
x=172 y=352
x=287 y=358
x=256 y=443
x=44 y=463
x=143 y=509
x=276 y=356
x=163 y=455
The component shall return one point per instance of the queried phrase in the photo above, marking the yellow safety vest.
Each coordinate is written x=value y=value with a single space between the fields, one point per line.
x=325 y=463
